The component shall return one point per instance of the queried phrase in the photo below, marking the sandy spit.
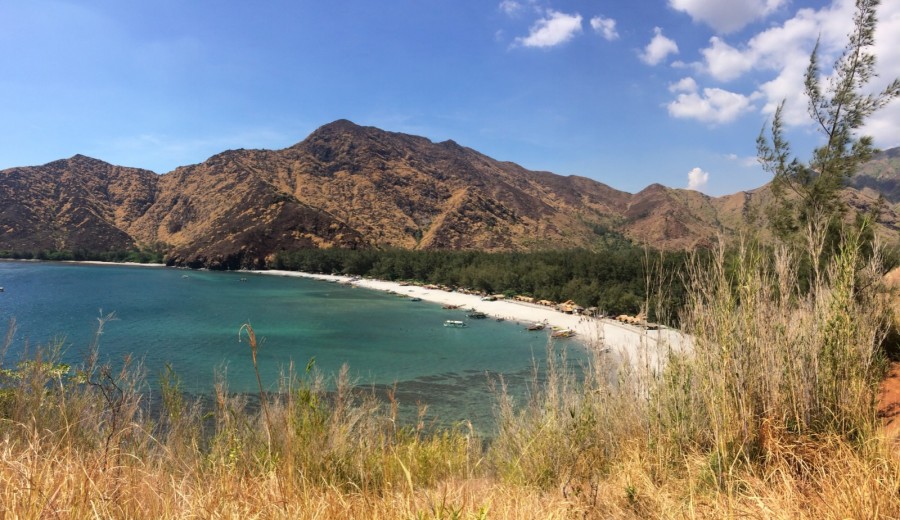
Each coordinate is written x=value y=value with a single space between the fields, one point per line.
x=634 y=343
x=98 y=262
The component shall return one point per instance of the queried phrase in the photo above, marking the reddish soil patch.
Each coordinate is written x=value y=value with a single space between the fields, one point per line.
x=889 y=401
x=889 y=392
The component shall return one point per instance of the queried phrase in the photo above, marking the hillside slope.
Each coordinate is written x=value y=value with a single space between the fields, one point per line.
x=359 y=187
x=76 y=203
x=881 y=176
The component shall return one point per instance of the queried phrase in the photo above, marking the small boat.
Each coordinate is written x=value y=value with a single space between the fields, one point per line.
x=501 y=319
x=455 y=323
x=477 y=315
x=563 y=333
x=1 y=289
x=535 y=326
x=451 y=307
x=415 y=299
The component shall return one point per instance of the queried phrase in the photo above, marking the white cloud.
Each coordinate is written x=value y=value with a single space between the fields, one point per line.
x=697 y=179
x=786 y=50
x=782 y=52
x=747 y=161
x=778 y=57
x=787 y=86
x=510 y=7
x=606 y=27
x=713 y=105
x=884 y=126
x=726 y=16
x=724 y=62
x=555 y=29
x=684 y=85
x=658 y=49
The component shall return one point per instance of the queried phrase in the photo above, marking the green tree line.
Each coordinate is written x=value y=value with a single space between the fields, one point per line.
x=146 y=255
x=612 y=280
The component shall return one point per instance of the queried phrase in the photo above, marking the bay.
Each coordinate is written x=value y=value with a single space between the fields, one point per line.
x=190 y=320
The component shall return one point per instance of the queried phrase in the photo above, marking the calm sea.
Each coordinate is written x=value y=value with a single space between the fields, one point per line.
x=190 y=320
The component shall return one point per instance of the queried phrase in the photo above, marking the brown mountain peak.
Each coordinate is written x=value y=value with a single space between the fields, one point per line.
x=85 y=159
x=78 y=160
x=451 y=144
x=352 y=186
x=655 y=188
x=340 y=127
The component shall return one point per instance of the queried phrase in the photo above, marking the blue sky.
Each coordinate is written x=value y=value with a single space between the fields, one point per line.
x=627 y=93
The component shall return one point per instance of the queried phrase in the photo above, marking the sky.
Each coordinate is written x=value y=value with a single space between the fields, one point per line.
x=627 y=93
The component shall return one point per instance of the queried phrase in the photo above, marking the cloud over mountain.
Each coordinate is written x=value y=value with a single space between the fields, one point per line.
x=697 y=179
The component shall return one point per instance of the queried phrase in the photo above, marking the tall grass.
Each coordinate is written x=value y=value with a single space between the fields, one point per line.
x=768 y=413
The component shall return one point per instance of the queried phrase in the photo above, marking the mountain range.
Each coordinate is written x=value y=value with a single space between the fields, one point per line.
x=351 y=186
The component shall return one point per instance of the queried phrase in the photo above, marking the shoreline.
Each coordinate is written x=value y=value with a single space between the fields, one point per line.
x=84 y=262
x=100 y=262
x=630 y=342
x=645 y=347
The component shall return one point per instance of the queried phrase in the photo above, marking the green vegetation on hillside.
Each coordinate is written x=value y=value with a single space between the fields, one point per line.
x=613 y=280
x=144 y=255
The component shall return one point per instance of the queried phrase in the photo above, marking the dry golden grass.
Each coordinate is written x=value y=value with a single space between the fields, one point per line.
x=833 y=480
x=771 y=415
x=892 y=281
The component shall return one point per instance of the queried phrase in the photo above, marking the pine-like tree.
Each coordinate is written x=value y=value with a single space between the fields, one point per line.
x=807 y=195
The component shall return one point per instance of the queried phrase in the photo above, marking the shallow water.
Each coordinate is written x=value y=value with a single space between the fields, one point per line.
x=190 y=320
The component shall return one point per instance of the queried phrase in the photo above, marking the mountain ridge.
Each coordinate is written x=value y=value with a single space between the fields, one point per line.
x=354 y=186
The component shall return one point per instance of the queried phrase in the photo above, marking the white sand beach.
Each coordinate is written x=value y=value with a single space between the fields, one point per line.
x=646 y=347
x=98 y=262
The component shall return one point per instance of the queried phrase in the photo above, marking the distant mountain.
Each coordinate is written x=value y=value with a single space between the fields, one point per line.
x=352 y=187
x=881 y=176
x=73 y=203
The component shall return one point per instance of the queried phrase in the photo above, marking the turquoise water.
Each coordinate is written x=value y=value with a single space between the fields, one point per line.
x=190 y=319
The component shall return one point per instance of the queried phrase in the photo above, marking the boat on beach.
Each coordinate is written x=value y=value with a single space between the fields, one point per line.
x=562 y=333
x=477 y=315
x=535 y=326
